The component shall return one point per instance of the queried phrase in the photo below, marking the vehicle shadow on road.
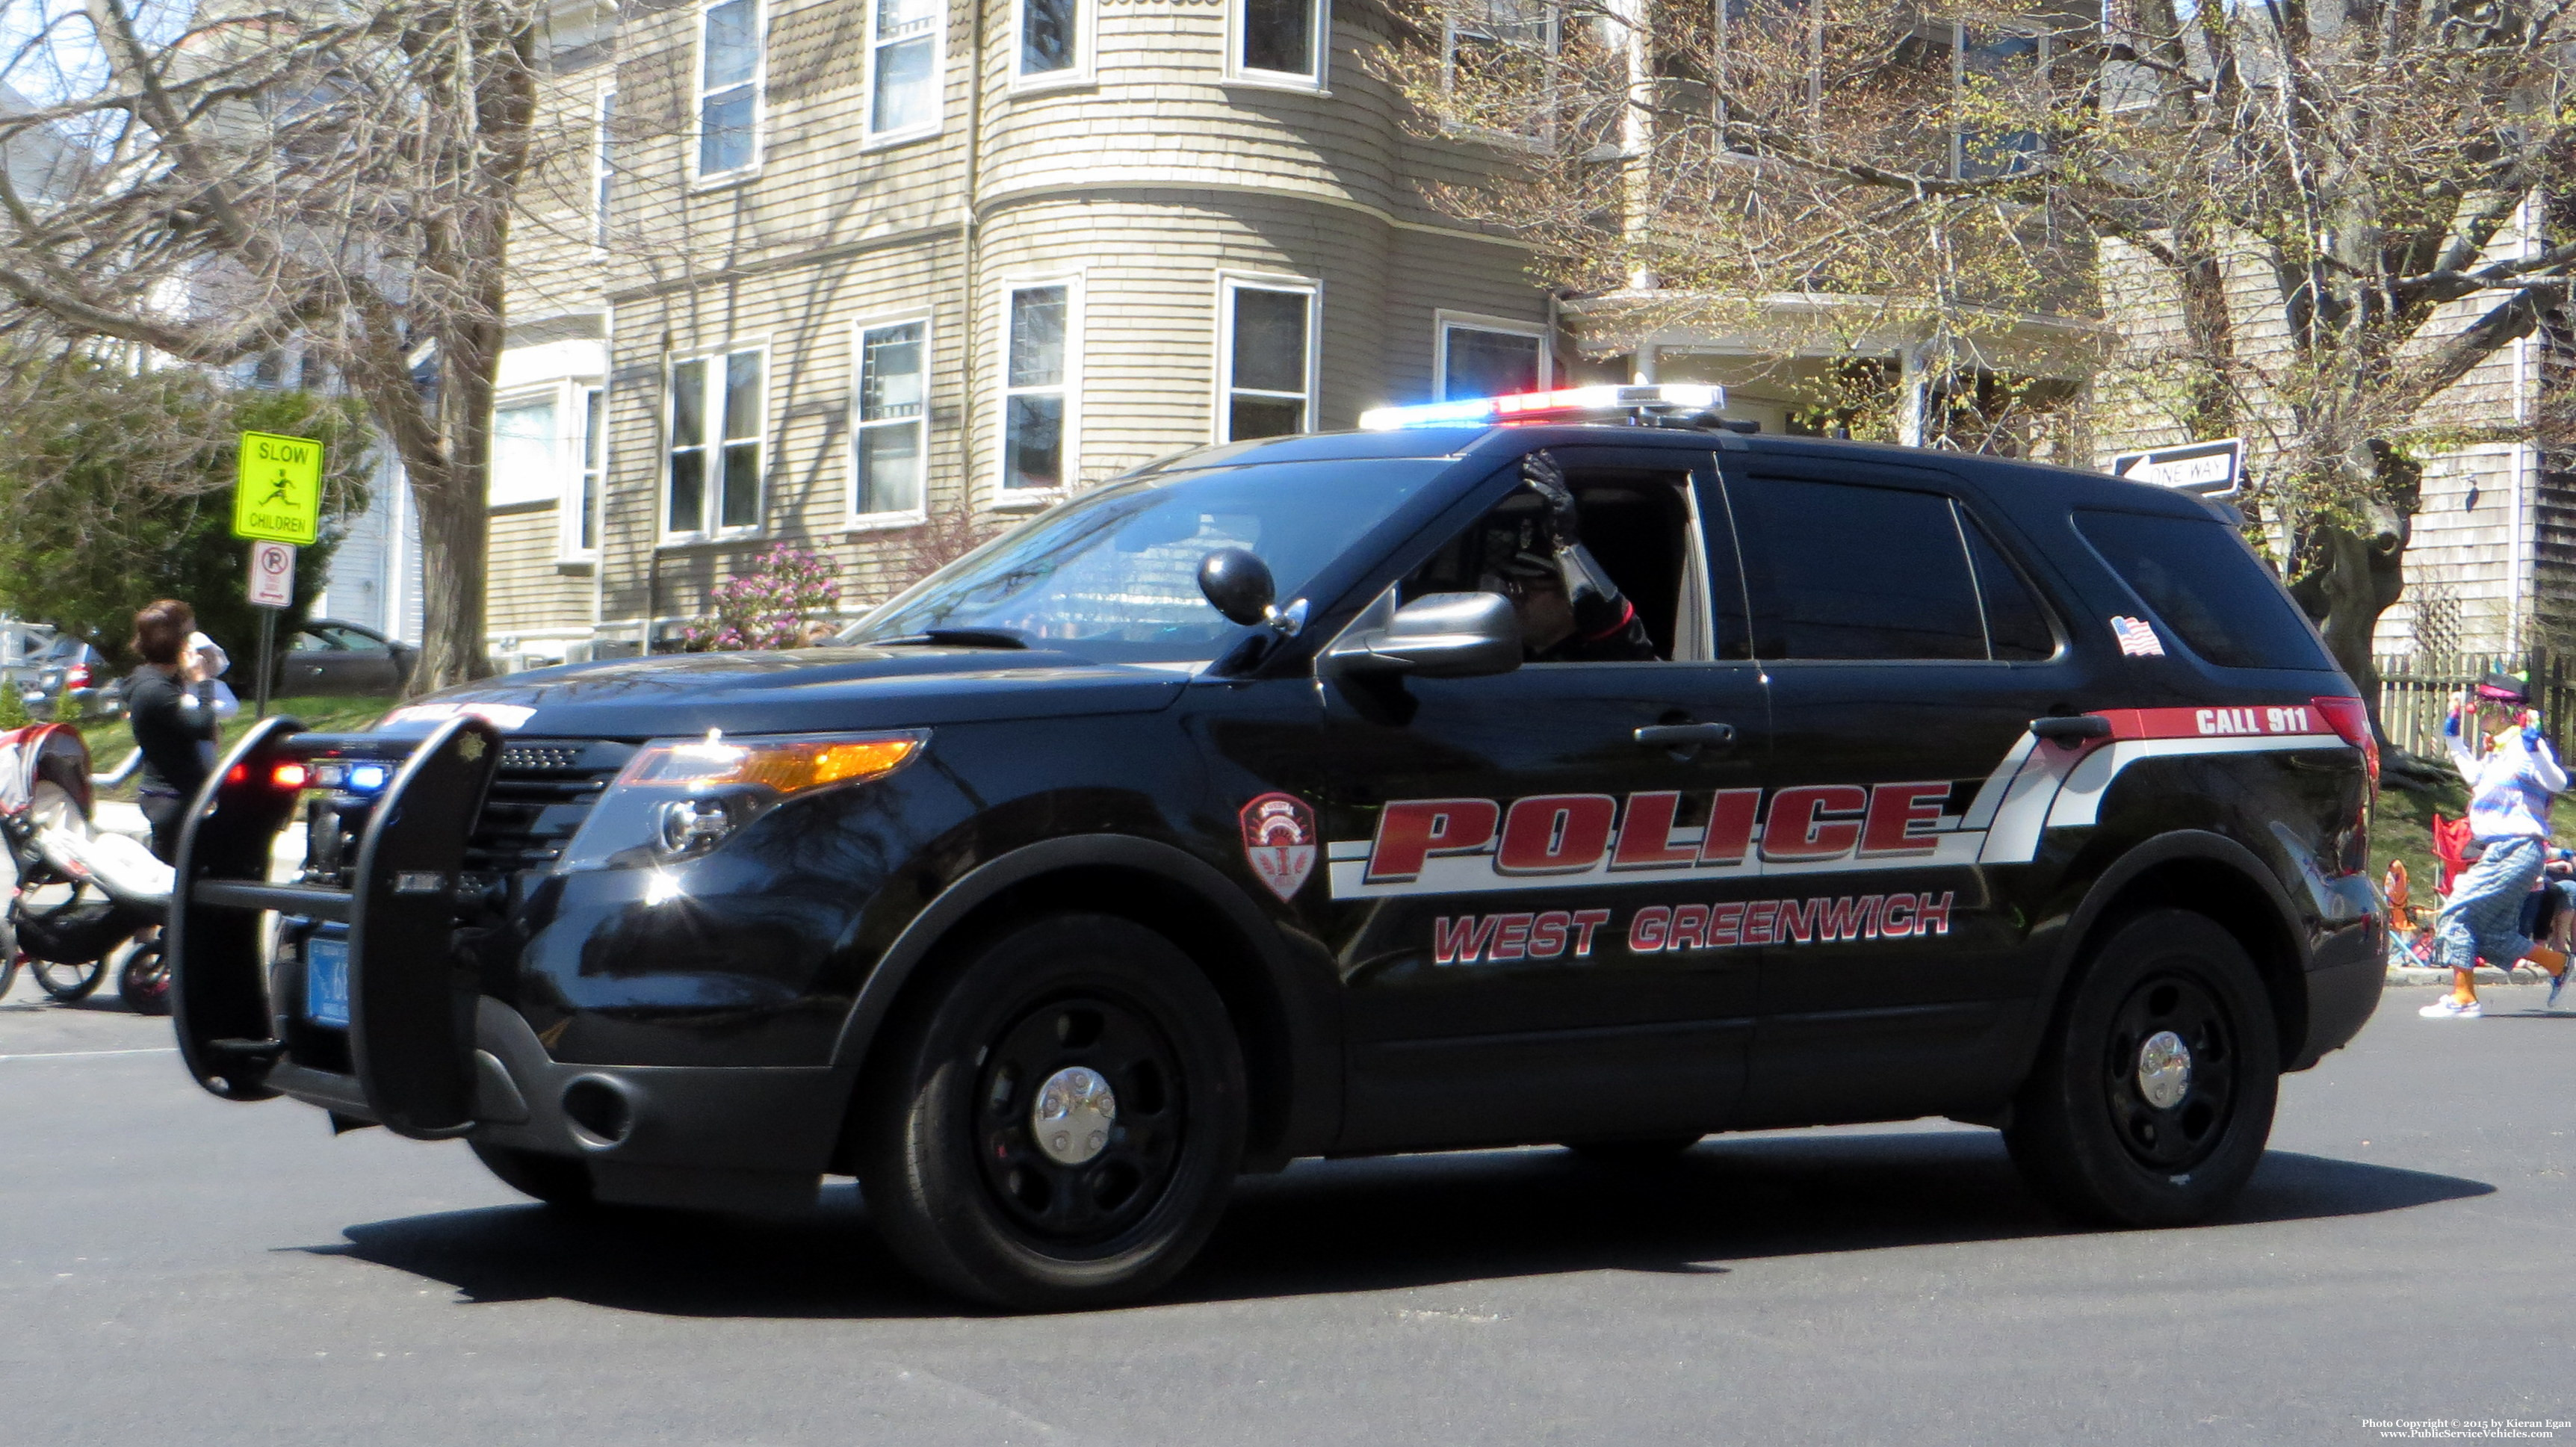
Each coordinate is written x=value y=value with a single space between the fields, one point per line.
x=1365 y=1225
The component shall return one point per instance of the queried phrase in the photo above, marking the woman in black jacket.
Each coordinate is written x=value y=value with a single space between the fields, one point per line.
x=171 y=708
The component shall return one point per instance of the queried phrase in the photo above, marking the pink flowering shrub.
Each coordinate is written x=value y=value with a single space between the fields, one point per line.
x=787 y=592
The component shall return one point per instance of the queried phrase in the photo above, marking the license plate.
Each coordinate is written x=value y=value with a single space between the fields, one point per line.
x=326 y=982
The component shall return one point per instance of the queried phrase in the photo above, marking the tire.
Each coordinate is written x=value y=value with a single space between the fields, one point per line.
x=68 y=984
x=8 y=966
x=560 y=1181
x=143 y=980
x=2100 y=1139
x=1634 y=1154
x=978 y=1195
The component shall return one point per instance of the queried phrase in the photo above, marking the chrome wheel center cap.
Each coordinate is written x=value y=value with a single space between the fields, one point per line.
x=1074 y=1111
x=2164 y=1069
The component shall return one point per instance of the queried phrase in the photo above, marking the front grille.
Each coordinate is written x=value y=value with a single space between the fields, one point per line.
x=542 y=791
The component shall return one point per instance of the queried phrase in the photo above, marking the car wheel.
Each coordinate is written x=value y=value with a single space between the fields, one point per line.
x=1630 y=1154
x=559 y=1181
x=1058 y=1123
x=2153 y=1095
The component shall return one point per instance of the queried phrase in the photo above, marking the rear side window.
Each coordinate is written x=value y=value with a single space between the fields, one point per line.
x=2015 y=622
x=2203 y=583
x=1860 y=572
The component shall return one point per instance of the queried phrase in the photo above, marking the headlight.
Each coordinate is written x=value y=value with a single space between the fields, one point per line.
x=680 y=798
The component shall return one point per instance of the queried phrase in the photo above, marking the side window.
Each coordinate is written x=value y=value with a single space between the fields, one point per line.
x=2200 y=580
x=2017 y=625
x=1853 y=572
x=1639 y=527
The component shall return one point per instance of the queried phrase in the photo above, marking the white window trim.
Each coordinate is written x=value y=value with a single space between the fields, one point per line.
x=877 y=140
x=1227 y=284
x=549 y=391
x=1442 y=322
x=603 y=165
x=853 y=519
x=568 y=548
x=1318 y=82
x=1086 y=25
x=1004 y=495
x=759 y=83
x=711 y=501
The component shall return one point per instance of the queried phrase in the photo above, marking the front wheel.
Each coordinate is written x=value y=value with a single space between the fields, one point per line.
x=1058 y=1125
x=143 y=981
x=68 y=984
x=2153 y=1095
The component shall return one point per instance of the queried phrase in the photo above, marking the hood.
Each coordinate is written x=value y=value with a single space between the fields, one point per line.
x=803 y=690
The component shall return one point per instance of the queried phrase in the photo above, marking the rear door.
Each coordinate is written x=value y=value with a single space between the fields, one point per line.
x=1494 y=842
x=1908 y=655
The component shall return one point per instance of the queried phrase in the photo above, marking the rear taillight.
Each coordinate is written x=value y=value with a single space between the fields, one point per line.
x=76 y=676
x=2351 y=718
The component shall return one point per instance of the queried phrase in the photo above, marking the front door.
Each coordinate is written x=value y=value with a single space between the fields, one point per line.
x=1510 y=856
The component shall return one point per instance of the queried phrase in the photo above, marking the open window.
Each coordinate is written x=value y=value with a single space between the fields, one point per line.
x=1640 y=524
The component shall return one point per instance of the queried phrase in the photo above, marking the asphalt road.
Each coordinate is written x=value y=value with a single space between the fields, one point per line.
x=176 y=1269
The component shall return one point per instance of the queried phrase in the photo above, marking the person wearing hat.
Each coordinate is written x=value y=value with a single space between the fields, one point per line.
x=2509 y=792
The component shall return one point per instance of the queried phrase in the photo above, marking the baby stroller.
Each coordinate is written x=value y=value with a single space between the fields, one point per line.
x=74 y=895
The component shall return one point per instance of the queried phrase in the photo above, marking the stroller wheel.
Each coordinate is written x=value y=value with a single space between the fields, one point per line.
x=8 y=969
x=143 y=981
x=68 y=983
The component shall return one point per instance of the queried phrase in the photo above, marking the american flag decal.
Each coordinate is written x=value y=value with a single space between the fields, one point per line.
x=2137 y=639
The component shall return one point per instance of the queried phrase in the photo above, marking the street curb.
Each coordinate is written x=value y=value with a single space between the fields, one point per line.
x=2487 y=975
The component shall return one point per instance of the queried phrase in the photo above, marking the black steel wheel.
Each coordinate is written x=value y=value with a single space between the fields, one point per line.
x=68 y=983
x=1057 y=1120
x=143 y=979
x=2153 y=1095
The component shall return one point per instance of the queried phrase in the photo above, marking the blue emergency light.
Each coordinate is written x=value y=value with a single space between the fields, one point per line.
x=1565 y=402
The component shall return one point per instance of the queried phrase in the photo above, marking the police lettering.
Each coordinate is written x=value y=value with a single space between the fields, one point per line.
x=1579 y=833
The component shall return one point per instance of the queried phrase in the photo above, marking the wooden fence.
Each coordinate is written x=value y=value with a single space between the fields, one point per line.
x=2416 y=691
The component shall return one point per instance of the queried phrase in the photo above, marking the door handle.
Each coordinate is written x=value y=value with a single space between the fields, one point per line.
x=2073 y=730
x=1685 y=737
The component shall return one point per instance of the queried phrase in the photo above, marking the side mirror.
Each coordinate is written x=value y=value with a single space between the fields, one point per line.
x=1444 y=635
x=1238 y=584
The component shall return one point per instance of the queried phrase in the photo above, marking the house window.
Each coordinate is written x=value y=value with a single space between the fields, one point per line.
x=887 y=441
x=1051 y=39
x=1037 y=357
x=1268 y=357
x=1988 y=66
x=581 y=503
x=903 y=68
x=1490 y=359
x=527 y=456
x=1507 y=48
x=1281 y=39
x=728 y=86
x=603 y=165
x=715 y=445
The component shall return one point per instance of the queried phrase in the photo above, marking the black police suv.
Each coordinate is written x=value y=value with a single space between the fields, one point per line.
x=1604 y=785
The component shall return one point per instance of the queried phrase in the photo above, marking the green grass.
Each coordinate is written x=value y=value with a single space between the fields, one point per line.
x=111 y=741
x=2402 y=828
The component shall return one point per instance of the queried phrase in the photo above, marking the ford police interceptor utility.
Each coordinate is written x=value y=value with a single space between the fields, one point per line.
x=1556 y=769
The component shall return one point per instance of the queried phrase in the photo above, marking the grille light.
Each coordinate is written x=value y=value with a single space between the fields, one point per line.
x=1564 y=402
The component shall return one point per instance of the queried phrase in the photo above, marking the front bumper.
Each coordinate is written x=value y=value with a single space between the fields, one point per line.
x=426 y=1054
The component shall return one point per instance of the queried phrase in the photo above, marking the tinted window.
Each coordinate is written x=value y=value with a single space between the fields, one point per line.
x=1857 y=572
x=2015 y=623
x=2203 y=583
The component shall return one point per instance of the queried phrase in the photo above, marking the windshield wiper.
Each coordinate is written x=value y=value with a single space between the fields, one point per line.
x=955 y=638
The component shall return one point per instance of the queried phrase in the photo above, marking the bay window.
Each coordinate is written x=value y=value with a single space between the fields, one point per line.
x=1266 y=359
x=1040 y=351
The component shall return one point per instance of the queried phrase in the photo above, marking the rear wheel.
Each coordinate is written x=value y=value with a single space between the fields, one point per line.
x=1058 y=1125
x=2153 y=1095
x=559 y=1181
x=143 y=980
x=68 y=984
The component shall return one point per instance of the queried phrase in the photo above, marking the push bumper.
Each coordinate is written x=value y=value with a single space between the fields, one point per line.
x=425 y=1053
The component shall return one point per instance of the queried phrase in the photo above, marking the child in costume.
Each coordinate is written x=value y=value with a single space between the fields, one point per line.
x=2509 y=793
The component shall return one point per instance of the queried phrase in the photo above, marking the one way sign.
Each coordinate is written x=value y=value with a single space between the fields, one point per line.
x=2211 y=469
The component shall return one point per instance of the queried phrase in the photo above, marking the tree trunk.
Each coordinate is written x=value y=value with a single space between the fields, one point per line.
x=453 y=529
x=2353 y=578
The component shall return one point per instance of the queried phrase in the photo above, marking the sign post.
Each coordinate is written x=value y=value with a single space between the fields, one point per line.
x=272 y=588
x=2210 y=469
x=277 y=502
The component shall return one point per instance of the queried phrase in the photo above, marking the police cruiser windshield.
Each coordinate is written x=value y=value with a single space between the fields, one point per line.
x=1114 y=575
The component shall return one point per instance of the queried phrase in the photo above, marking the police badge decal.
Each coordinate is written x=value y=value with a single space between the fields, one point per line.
x=1279 y=841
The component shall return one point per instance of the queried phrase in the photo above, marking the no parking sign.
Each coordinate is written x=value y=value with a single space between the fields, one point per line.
x=272 y=574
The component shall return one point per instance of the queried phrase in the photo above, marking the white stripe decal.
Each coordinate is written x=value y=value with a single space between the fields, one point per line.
x=2079 y=804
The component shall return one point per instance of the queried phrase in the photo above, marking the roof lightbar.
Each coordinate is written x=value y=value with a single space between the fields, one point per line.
x=1541 y=406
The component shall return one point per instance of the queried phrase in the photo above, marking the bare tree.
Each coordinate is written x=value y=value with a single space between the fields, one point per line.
x=334 y=177
x=2311 y=224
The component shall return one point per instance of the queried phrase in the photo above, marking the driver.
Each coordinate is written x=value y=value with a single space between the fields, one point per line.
x=1570 y=610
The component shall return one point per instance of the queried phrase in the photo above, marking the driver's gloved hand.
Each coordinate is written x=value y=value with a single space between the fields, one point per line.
x=1605 y=624
x=1541 y=475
